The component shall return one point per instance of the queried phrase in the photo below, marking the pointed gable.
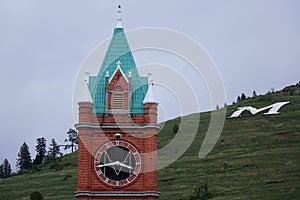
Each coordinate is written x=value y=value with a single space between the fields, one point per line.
x=118 y=50
x=118 y=72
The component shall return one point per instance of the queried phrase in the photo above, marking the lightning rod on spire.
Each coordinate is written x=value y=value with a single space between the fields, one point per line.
x=119 y=19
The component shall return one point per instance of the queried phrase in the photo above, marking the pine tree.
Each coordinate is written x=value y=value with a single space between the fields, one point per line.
x=254 y=94
x=54 y=150
x=24 y=160
x=238 y=99
x=243 y=97
x=40 y=149
x=6 y=169
x=72 y=139
x=1 y=172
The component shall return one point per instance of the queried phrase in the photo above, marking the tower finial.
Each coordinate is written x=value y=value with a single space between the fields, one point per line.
x=119 y=19
x=85 y=94
x=150 y=79
x=150 y=95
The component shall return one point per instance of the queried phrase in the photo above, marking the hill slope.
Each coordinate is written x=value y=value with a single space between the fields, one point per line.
x=257 y=157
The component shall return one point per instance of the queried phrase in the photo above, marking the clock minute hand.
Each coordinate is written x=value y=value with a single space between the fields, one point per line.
x=109 y=164
x=123 y=165
x=116 y=163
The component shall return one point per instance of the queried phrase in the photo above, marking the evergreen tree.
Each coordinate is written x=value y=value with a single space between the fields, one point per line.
x=238 y=99
x=24 y=160
x=72 y=139
x=1 y=172
x=54 y=150
x=6 y=169
x=40 y=149
x=254 y=94
x=243 y=97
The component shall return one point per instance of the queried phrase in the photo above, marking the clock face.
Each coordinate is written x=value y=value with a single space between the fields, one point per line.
x=117 y=163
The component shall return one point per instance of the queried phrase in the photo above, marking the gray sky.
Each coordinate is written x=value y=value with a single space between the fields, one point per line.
x=255 y=44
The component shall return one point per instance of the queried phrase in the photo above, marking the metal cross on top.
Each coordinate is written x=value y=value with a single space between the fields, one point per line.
x=119 y=64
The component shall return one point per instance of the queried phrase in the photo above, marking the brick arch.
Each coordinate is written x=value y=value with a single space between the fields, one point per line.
x=118 y=88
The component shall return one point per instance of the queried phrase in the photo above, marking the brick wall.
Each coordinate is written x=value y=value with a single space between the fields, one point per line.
x=90 y=139
x=100 y=129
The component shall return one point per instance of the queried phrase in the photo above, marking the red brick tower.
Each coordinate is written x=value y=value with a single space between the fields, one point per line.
x=117 y=155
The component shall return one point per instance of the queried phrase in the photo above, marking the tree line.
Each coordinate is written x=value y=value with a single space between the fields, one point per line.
x=243 y=97
x=24 y=160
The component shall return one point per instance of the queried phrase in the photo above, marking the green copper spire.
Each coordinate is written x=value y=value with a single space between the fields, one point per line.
x=118 y=51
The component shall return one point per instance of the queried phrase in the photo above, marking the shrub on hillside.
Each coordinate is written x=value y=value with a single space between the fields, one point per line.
x=175 y=128
x=201 y=193
x=36 y=196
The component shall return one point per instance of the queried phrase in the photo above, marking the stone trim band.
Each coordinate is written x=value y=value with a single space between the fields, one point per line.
x=117 y=194
x=95 y=126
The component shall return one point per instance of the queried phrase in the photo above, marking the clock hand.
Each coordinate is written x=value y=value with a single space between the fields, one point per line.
x=116 y=163
x=109 y=164
x=123 y=165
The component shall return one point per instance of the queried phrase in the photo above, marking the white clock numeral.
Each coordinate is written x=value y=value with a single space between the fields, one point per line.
x=117 y=142
x=127 y=180
x=99 y=172
x=106 y=180
x=117 y=183
x=138 y=163
x=99 y=154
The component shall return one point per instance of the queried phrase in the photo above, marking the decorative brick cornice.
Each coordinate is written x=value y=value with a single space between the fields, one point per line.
x=107 y=126
x=117 y=194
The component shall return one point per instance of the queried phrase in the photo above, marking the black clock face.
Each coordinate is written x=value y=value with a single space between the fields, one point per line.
x=117 y=163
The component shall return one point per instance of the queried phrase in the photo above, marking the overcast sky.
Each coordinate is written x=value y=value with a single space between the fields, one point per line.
x=254 y=43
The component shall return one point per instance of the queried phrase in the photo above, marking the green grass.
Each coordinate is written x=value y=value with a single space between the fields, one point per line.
x=55 y=180
x=256 y=157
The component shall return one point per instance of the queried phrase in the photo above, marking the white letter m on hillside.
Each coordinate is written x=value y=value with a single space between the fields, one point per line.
x=273 y=109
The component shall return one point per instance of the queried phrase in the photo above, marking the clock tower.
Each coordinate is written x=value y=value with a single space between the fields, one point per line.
x=117 y=129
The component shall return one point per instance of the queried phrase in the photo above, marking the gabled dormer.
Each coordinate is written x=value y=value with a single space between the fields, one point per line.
x=118 y=91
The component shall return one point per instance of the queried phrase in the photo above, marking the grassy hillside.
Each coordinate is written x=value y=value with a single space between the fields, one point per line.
x=56 y=180
x=256 y=157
